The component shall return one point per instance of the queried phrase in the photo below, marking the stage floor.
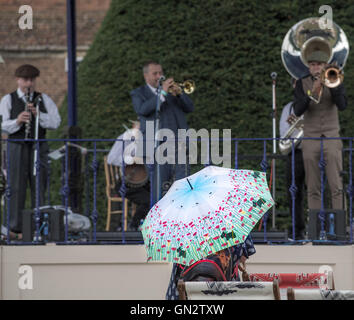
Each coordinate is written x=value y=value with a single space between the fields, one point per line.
x=121 y=271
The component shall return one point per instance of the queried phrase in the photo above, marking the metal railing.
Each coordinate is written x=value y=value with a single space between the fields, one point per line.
x=93 y=181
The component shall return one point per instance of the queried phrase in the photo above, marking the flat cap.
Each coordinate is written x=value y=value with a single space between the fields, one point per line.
x=27 y=71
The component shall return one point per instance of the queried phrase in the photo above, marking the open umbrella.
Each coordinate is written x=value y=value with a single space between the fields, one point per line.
x=209 y=211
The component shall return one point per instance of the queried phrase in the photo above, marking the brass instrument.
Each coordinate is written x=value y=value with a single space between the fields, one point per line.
x=332 y=76
x=285 y=145
x=301 y=40
x=307 y=36
x=28 y=123
x=187 y=87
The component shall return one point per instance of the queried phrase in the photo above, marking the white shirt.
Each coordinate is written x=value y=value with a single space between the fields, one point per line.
x=49 y=120
x=131 y=149
x=162 y=97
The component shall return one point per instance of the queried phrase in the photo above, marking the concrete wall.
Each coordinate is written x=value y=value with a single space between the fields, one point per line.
x=121 y=272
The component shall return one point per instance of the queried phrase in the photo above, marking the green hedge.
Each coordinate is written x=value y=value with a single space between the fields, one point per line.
x=228 y=47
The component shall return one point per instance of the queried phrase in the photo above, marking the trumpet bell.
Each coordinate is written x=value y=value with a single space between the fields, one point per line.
x=332 y=77
x=188 y=86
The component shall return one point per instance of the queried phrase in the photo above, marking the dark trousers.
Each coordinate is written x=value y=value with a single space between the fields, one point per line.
x=299 y=173
x=141 y=197
x=332 y=154
x=20 y=175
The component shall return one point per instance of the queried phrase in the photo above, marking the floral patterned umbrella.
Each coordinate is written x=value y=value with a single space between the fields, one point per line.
x=209 y=211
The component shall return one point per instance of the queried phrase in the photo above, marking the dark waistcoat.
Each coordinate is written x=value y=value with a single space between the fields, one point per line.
x=18 y=106
x=322 y=118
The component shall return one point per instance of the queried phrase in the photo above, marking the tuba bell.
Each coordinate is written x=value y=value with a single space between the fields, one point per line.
x=301 y=40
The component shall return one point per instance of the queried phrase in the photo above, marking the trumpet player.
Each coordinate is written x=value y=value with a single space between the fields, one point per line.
x=320 y=104
x=175 y=104
x=18 y=110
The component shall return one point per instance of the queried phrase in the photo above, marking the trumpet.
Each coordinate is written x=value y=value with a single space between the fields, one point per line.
x=331 y=77
x=187 y=87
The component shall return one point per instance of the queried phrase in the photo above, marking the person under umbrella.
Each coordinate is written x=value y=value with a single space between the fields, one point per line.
x=221 y=266
x=204 y=214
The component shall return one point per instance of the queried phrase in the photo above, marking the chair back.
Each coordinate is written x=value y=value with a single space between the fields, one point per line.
x=111 y=173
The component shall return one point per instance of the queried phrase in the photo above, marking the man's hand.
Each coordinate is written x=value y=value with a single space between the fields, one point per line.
x=32 y=109
x=291 y=119
x=23 y=117
x=176 y=90
x=167 y=84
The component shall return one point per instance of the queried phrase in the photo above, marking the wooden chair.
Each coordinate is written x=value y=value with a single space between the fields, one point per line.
x=111 y=173
x=228 y=290
x=319 y=294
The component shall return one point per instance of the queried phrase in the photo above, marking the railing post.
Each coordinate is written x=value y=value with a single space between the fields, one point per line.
x=293 y=188
x=62 y=178
x=8 y=190
x=264 y=166
x=236 y=154
x=208 y=152
x=350 y=191
x=322 y=216
x=65 y=189
x=87 y=185
x=187 y=171
x=49 y=173
x=122 y=192
x=37 y=213
x=94 y=214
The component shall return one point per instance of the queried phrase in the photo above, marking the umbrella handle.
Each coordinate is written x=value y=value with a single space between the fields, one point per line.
x=189 y=184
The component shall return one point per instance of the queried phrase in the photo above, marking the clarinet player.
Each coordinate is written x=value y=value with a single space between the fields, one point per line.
x=18 y=110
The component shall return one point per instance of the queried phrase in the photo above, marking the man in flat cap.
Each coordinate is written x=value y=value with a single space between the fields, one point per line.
x=320 y=105
x=14 y=120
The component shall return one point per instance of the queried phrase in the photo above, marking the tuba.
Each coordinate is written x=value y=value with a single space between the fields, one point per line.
x=296 y=132
x=301 y=40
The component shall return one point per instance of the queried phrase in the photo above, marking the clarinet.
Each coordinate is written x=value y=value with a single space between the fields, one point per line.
x=28 y=123
x=36 y=133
